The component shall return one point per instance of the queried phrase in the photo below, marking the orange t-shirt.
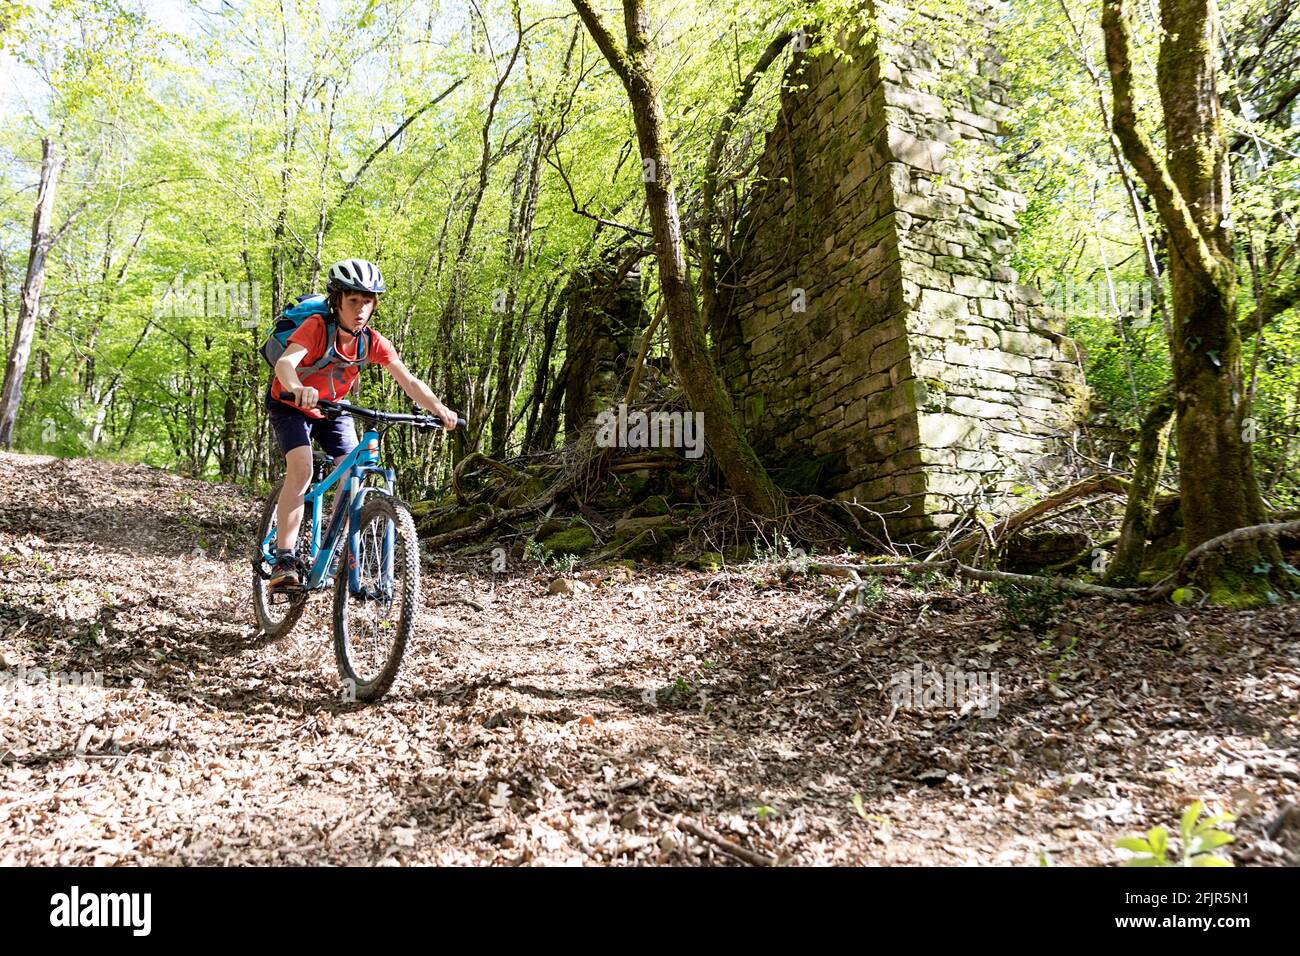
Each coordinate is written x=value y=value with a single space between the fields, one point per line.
x=333 y=382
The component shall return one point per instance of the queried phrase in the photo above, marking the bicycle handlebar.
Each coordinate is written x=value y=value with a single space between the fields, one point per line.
x=420 y=421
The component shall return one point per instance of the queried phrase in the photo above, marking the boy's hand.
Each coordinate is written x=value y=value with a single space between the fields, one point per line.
x=448 y=418
x=306 y=396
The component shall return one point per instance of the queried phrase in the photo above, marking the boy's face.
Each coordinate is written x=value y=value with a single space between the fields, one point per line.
x=355 y=309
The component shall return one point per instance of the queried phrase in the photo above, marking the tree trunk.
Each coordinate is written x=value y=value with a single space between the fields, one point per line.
x=288 y=136
x=691 y=359
x=230 y=416
x=4 y=298
x=104 y=402
x=107 y=279
x=548 y=422
x=533 y=439
x=29 y=306
x=1190 y=188
x=322 y=217
x=47 y=319
x=520 y=245
x=1153 y=445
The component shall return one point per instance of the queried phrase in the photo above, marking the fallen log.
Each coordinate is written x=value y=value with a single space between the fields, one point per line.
x=491 y=464
x=507 y=514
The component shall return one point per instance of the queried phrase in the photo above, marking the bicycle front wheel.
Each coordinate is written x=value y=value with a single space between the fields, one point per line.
x=373 y=622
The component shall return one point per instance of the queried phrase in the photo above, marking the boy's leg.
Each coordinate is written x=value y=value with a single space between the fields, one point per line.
x=293 y=432
x=337 y=436
x=297 y=476
x=289 y=508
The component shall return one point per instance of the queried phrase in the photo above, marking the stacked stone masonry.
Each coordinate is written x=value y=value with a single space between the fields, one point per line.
x=874 y=317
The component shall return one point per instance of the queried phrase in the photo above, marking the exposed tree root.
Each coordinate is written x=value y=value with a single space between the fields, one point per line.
x=1155 y=592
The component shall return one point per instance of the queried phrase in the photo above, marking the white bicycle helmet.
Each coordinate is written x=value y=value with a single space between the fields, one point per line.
x=356 y=274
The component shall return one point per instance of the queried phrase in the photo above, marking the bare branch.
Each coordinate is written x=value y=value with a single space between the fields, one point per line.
x=347 y=190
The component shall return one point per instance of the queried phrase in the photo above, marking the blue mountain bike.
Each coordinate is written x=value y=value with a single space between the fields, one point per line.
x=368 y=553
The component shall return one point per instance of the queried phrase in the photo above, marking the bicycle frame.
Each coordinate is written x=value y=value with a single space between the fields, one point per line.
x=349 y=473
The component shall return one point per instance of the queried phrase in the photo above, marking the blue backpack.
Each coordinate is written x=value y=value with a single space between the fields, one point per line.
x=295 y=314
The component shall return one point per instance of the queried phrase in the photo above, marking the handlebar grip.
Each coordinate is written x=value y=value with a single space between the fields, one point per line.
x=288 y=397
x=461 y=423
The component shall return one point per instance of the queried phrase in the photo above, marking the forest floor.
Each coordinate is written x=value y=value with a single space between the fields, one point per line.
x=657 y=716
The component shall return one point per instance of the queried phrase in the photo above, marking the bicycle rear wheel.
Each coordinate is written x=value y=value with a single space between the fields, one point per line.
x=275 y=618
x=371 y=628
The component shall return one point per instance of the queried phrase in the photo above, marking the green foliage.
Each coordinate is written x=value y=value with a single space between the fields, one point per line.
x=1080 y=236
x=928 y=580
x=1068 y=652
x=534 y=550
x=1033 y=608
x=565 y=562
x=683 y=694
x=781 y=551
x=232 y=145
x=1199 y=839
x=1079 y=242
x=229 y=145
x=871 y=591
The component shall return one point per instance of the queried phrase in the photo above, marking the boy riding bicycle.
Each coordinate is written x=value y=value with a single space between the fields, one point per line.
x=352 y=292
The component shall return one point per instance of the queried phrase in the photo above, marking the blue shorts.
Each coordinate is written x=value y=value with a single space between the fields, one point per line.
x=293 y=429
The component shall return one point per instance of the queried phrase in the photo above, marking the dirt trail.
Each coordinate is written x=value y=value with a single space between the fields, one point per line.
x=616 y=725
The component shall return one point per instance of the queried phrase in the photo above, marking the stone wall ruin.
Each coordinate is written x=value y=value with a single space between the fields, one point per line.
x=875 y=324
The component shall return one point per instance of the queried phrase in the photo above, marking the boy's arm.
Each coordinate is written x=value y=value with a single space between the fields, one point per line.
x=286 y=373
x=420 y=393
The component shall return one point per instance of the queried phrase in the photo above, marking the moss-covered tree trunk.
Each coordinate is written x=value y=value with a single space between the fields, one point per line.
x=692 y=362
x=1191 y=191
x=1153 y=445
